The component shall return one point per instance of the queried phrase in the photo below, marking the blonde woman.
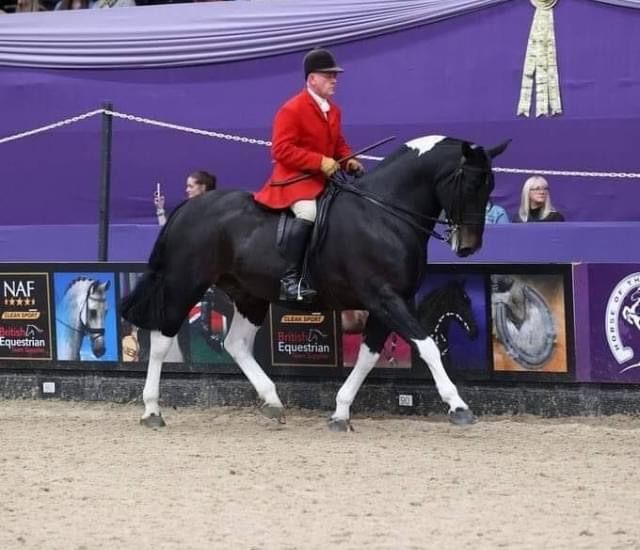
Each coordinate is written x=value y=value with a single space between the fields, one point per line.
x=535 y=202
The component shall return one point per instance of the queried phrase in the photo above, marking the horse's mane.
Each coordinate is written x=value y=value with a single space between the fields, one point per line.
x=393 y=157
x=405 y=152
x=77 y=280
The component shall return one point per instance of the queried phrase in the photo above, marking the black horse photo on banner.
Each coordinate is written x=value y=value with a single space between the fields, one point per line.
x=370 y=254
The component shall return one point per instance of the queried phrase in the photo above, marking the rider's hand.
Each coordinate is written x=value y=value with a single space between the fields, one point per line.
x=158 y=201
x=354 y=166
x=329 y=166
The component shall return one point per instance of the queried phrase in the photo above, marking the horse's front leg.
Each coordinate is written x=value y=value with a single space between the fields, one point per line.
x=239 y=344
x=395 y=314
x=375 y=335
x=160 y=345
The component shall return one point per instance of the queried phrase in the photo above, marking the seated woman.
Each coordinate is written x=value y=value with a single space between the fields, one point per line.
x=535 y=202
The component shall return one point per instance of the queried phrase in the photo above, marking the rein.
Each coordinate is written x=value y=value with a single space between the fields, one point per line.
x=412 y=218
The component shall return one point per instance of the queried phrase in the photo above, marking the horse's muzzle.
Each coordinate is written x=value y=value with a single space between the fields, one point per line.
x=465 y=251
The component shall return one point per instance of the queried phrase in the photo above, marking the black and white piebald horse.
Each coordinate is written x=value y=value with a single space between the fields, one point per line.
x=372 y=257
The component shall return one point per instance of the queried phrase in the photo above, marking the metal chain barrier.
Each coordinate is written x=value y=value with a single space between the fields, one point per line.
x=266 y=143
x=573 y=173
x=188 y=129
x=51 y=126
x=567 y=173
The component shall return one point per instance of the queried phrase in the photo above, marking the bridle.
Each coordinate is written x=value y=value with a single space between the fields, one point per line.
x=343 y=182
x=84 y=329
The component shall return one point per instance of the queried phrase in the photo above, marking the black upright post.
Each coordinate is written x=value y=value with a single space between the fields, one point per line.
x=105 y=185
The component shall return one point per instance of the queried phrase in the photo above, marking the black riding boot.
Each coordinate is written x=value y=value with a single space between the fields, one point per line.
x=292 y=286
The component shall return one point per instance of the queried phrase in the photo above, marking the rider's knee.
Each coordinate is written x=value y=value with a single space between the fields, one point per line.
x=305 y=209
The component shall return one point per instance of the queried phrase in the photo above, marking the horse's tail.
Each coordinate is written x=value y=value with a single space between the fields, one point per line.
x=145 y=305
x=156 y=260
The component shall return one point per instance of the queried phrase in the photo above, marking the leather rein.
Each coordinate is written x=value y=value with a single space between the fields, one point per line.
x=412 y=218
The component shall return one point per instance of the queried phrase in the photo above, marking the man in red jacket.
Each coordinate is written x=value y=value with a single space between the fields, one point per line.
x=307 y=139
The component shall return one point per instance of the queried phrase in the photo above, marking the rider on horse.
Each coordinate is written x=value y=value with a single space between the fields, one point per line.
x=307 y=139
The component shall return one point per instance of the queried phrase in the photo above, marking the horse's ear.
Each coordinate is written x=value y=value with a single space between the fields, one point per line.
x=498 y=149
x=106 y=285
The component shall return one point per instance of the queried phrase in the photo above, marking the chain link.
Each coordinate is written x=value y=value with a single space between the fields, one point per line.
x=198 y=131
x=573 y=173
x=51 y=126
x=265 y=143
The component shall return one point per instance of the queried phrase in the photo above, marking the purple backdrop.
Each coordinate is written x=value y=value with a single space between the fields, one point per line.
x=454 y=77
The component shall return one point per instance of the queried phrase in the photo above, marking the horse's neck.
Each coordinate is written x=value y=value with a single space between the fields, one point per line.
x=69 y=330
x=409 y=186
x=433 y=312
x=69 y=343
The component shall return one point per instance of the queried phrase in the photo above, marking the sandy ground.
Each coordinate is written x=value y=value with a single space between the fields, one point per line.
x=83 y=476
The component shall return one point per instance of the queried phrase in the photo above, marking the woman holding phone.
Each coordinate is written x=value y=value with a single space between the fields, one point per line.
x=197 y=183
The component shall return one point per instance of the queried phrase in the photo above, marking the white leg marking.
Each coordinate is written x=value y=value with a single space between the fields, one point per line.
x=239 y=344
x=347 y=393
x=430 y=354
x=160 y=345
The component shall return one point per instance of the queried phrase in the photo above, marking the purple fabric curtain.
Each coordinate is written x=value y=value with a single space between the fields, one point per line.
x=201 y=33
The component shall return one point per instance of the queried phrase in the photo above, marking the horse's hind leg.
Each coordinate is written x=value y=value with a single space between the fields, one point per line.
x=393 y=311
x=249 y=313
x=159 y=348
x=375 y=335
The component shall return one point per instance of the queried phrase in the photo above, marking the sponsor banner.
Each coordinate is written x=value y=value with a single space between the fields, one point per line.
x=135 y=343
x=452 y=307
x=613 y=293
x=25 y=321
x=302 y=338
x=529 y=323
x=208 y=326
x=86 y=327
x=396 y=352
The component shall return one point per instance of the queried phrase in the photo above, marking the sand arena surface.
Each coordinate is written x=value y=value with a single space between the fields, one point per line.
x=86 y=475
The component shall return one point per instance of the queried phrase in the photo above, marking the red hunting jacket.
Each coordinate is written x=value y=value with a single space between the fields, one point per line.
x=301 y=137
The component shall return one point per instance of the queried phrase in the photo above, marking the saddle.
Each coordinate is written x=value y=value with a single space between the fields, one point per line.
x=338 y=182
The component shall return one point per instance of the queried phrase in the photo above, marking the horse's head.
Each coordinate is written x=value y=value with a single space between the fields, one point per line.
x=93 y=314
x=464 y=193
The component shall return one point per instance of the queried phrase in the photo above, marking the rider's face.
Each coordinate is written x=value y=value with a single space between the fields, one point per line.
x=323 y=84
x=193 y=188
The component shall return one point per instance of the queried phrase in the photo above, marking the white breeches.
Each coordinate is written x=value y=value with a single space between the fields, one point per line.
x=305 y=209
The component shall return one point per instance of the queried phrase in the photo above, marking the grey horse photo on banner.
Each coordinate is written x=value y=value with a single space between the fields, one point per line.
x=85 y=317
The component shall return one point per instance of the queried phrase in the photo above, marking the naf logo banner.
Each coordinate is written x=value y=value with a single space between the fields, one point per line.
x=25 y=321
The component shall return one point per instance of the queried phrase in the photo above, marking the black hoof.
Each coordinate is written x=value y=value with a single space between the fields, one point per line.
x=273 y=412
x=461 y=417
x=153 y=421
x=338 y=425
